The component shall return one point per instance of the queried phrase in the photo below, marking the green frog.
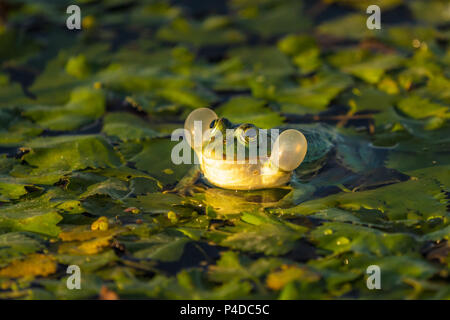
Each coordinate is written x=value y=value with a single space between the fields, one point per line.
x=245 y=157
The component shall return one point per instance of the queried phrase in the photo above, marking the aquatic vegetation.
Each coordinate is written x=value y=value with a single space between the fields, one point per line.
x=87 y=179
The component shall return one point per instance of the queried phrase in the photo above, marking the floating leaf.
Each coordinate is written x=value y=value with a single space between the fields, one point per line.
x=231 y=267
x=88 y=263
x=15 y=129
x=189 y=284
x=155 y=158
x=32 y=266
x=67 y=153
x=278 y=279
x=418 y=108
x=373 y=69
x=81 y=233
x=341 y=237
x=156 y=202
x=126 y=126
x=396 y=201
x=239 y=109
x=15 y=244
x=77 y=66
x=163 y=248
x=315 y=95
x=265 y=61
x=433 y=12
x=272 y=21
x=112 y=187
x=28 y=217
x=11 y=189
x=85 y=105
x=262 y=233
x=199 y=34
x=351 y=26
x=88 y=247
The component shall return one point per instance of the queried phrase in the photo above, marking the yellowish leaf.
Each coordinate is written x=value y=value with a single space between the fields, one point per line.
x=32 y=266
x=278 y=279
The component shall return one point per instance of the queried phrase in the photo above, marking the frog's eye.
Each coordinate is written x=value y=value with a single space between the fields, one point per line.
x=289 y=150
x=250 y=134
x=197 y=123
x=213 y=123
x=247 y=133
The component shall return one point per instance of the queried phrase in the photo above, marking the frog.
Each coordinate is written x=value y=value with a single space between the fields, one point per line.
x=217 y=142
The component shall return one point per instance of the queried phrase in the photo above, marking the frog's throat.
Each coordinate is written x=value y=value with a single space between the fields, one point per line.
x=230 y=174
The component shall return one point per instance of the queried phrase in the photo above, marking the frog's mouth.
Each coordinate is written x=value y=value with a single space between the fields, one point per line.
x=232 y=152
x=243 y=176
x=217 y=161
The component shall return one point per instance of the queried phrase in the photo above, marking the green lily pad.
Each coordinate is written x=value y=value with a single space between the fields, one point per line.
x=240 y=109
x=112 y=187
x=315 y=95
x=127 y=127
x=341 y=237
x=162 y=248
x=351 y=26
x=16 y=129
x=85 y=106
x=261 y=233
x=420 y=199
x=231 y=267
x=85 y=144
x=11 y=189
x=67 y=153
x=155 y=158
x=14 y=244
x=27 y=217
x=200 y=34
x=273 y=21
x=432 y=12
x=418 y=108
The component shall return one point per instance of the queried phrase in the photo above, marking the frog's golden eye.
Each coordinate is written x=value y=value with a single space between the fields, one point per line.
x=250 y=134
x=247 y=133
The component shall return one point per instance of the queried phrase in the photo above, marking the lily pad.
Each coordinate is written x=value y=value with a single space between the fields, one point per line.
x=67 y=153
x=239 y=109
x=85 y=105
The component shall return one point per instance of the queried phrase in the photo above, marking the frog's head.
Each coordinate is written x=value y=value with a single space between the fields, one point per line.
x=237 y=150
x=226 y=140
